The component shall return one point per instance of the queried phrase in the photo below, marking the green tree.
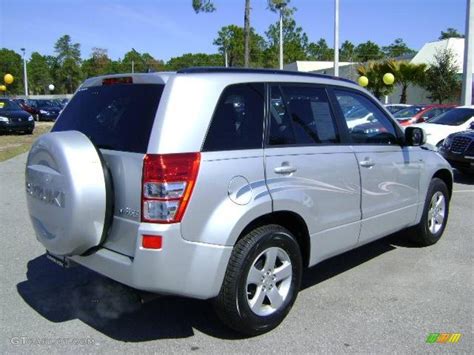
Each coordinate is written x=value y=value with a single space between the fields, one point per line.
x=295 y=42
x=347 y=52
x=194 y=60
x=407 y=73
x=230 y=40
x=203 y=6
x=375 y=71
x=368 y=51
x=140 y=63
x=450 y=33
x=68 y=56
x=397 y=49
x=441 y=79
x=12 y=63
x=320 y=51
x=98 y=63
x=39 y=76
x=273 y=5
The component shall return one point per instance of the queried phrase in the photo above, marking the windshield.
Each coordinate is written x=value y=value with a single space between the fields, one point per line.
x=117 y=117
x=8 y=105
x=408 y=112
x=454 y=117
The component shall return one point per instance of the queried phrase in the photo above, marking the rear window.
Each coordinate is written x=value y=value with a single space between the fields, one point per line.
x=117 y=117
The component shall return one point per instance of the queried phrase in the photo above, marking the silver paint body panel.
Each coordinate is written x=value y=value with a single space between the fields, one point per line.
x=344 y=204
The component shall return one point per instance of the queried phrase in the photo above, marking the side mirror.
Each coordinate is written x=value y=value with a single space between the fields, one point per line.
x=471 y=126
x=415 y=136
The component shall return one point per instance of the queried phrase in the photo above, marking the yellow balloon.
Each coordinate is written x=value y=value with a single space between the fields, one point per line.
x=363 y=81
x=3 y=88
x=8 y=78
x=388 y=78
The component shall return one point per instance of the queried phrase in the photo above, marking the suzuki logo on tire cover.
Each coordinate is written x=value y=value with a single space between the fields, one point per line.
x=48 y=196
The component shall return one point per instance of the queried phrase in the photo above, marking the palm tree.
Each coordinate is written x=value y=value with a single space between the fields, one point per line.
x=208 y=6
x=407 y=73
x=374 y=71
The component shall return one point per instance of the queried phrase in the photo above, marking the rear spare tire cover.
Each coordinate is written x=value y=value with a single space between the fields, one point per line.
x=66 y=192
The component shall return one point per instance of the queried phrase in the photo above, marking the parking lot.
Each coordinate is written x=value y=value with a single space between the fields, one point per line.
x=384 y=297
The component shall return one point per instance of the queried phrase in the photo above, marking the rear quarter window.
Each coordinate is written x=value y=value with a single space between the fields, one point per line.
x=116 y=117
x=237 y=122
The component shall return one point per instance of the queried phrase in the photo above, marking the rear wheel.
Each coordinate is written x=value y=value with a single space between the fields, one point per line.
x=435 y=214
x=261 y=282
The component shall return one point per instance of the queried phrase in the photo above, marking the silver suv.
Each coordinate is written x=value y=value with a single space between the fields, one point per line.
x=224 y=184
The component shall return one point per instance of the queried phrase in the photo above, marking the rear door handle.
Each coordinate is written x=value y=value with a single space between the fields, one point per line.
x=367 y=163
x=284 y=169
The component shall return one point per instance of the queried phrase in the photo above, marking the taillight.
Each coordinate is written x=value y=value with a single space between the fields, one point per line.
x=168 y=181
x=117 y=80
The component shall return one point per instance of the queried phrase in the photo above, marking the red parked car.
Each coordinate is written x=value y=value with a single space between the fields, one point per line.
x=420 y=113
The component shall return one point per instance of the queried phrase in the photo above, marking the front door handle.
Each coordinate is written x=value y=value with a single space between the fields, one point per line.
x=367 y=163
x=285 y=169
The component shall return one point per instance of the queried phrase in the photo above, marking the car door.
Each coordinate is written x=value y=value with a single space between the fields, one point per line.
x=389 y=172
x=309 y=170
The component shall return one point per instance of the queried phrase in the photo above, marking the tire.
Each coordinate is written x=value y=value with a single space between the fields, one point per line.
x=278 y=290
x=430 y=229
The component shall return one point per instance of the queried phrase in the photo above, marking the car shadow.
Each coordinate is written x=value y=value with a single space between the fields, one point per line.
x=118 y=311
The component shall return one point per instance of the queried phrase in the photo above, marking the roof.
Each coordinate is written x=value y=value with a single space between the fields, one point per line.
x=427 y=53
x=234 y=70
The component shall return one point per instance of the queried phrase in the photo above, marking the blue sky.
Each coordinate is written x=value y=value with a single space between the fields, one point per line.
x=169 y=28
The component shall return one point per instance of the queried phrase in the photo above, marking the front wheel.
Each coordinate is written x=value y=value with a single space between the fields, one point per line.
x=435 y=214
x=261 y=282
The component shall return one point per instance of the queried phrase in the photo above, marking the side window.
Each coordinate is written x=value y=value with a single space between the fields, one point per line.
x=281 y=132
x=301 y=115
x=238 y=119
x=367 y=124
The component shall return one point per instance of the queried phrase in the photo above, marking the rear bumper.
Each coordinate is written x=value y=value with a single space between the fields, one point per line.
x=180 y=268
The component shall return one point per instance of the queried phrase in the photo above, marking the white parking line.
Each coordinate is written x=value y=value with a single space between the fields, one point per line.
x=463 y=191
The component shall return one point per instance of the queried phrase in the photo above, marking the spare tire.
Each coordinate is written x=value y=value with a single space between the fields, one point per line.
x=67 y=193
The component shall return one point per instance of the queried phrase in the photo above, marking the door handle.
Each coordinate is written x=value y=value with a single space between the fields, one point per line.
x=367 y=163
x=284 y=169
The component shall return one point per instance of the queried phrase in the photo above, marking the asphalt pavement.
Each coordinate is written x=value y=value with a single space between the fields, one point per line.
x=387 y=296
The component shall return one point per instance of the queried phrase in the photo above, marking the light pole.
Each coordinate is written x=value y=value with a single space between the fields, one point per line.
x=280 y=7
x=336 y=37
x=466 y=98
x=25 y=74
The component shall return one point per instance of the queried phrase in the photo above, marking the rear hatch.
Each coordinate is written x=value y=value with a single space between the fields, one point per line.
x=117 y=114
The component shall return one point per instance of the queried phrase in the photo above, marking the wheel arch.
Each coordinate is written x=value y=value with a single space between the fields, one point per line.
x=289 y=220
x=446 y=176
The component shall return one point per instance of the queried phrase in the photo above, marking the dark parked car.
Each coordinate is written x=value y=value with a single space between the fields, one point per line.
x=42 y=110
x=458 y=149
x=14 y=119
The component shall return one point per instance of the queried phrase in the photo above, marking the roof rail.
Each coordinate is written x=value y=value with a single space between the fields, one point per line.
x=200 y=70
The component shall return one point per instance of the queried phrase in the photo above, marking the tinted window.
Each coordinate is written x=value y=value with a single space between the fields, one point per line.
x=238 y=119
x=281 y=131
x=301 y=115
x=454 y=117
x=9 y=105
x=408 y=112
x=366 y=122
x=117 y=117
